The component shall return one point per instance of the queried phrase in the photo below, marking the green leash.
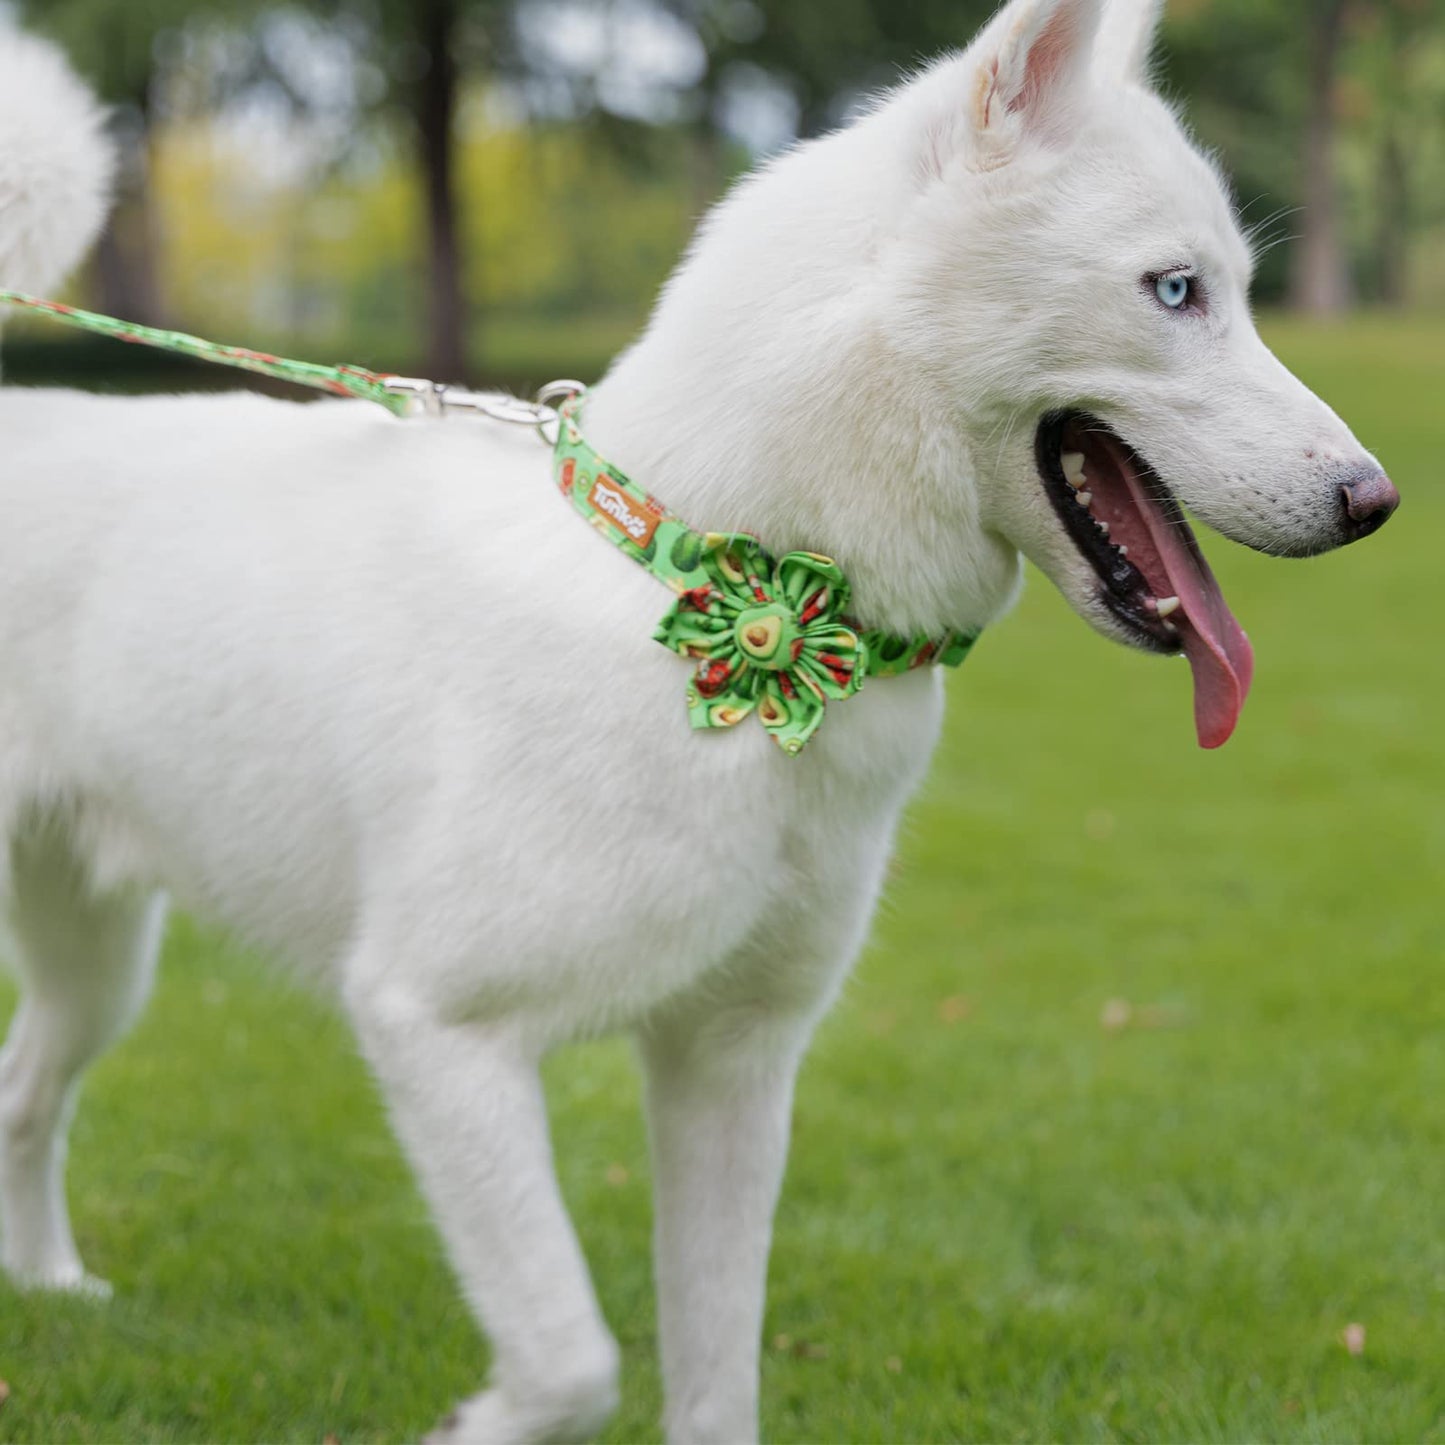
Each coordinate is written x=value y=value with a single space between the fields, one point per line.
x=342 y=380
x=770 y=636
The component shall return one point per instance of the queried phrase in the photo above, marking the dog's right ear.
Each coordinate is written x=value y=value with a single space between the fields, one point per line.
x=1126 y=37
x=1026 y=76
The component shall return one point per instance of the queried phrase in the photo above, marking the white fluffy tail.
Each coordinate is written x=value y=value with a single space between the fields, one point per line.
x=55 y=165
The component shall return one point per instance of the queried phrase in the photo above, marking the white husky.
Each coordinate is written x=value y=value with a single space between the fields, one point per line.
x=367 y=691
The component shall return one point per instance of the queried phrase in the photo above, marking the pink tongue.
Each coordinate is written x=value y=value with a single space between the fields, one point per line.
x=1218 y=651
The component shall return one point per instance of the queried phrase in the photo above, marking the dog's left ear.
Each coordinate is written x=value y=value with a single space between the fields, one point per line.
x=1126 y=38
x=1027 y=76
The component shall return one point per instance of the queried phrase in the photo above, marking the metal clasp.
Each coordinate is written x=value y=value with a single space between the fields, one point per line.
x=432 y=398
x=423 y=397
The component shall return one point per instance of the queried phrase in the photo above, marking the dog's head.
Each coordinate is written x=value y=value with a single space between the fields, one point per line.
x=1064 y=216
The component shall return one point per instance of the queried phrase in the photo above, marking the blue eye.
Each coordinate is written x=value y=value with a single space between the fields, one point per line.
x=1175 y=289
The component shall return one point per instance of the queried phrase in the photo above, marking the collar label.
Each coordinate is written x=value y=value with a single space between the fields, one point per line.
x=619 y=509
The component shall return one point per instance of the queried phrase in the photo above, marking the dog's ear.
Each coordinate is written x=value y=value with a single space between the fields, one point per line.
x=1126 y=38
x=1027 y=75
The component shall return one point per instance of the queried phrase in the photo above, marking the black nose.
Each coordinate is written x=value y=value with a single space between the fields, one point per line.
x=1369 y=501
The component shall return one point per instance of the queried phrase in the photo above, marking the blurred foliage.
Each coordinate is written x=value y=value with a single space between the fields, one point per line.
x=1242 y=67
x=557 y=221
x=293 y=171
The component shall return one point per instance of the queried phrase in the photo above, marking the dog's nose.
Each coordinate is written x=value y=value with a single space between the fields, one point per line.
x=1369 y=501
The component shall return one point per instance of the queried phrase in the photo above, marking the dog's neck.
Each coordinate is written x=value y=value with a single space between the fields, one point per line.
x=764 y=397
x=830 y=474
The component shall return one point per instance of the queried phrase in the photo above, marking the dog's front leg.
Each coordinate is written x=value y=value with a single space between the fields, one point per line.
x=467 y=1104
x=719 y=1098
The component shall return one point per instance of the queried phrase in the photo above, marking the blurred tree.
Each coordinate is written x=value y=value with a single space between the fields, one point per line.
x=421 y=47
x=436 y=118
x=1336 y=104
x=1284 y=88
x=827 y=54
x=1264 y=78
x=1321 y=280
x=1394 y=101
x=1262 y=82
x=424 y=47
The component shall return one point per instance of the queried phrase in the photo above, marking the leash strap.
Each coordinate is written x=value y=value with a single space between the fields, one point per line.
x=340 y=380
x=771 y=636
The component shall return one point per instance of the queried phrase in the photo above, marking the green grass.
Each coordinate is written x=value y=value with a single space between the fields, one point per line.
x=1003 y=1220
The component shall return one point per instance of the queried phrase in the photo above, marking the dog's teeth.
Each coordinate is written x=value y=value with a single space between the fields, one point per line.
x=1084 y=498
x=1123 y=550
x=1073 y=465
x=1102 y=526
x=1168 y=606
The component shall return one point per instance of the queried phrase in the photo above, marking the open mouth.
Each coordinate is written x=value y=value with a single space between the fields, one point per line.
x=1152 y=576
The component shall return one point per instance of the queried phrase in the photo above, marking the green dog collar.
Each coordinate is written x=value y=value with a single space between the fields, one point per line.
x=771 y=637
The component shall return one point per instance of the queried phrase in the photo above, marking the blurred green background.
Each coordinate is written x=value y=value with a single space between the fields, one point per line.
x=1130 y=1127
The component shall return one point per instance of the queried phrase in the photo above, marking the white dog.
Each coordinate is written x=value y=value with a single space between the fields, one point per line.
x=367 y=691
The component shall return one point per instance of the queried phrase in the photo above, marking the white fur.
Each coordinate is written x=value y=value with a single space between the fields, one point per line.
x=55 y=165
x=368 y=692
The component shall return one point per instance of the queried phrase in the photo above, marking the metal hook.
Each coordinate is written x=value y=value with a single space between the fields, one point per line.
x=555 y=391
x=430 y=398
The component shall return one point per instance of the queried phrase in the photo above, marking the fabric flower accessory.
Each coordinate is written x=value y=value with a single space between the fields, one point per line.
x=770 y=637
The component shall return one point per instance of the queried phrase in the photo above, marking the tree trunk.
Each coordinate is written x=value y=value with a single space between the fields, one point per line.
x=1392 y=234
x=1321 y=283
x=436 y=119
x=125 y=258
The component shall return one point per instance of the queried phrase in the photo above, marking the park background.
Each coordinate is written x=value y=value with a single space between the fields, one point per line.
x=1130 y=1126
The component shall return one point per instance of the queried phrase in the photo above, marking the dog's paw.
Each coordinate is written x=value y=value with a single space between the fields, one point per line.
x=482 y=1420
x=87 y=1286
x=492 y=1418
x=74 y=1282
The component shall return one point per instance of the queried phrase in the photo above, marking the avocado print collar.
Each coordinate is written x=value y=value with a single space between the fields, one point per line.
x=769 y=636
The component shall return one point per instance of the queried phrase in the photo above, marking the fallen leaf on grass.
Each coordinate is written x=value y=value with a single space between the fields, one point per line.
x=1352 y=1337
x=1119 y=1014
x=617 y=1175
x=893 y=1365
x=4 y=1392
x=1116 y=1015
x=954 y=1010
x=799 y=1349
x=1160 y=1016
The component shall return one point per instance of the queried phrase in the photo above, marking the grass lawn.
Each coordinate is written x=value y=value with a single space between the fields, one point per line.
x=1138 y=1098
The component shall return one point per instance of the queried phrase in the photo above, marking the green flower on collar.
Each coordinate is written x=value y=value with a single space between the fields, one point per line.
x=770 y=637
